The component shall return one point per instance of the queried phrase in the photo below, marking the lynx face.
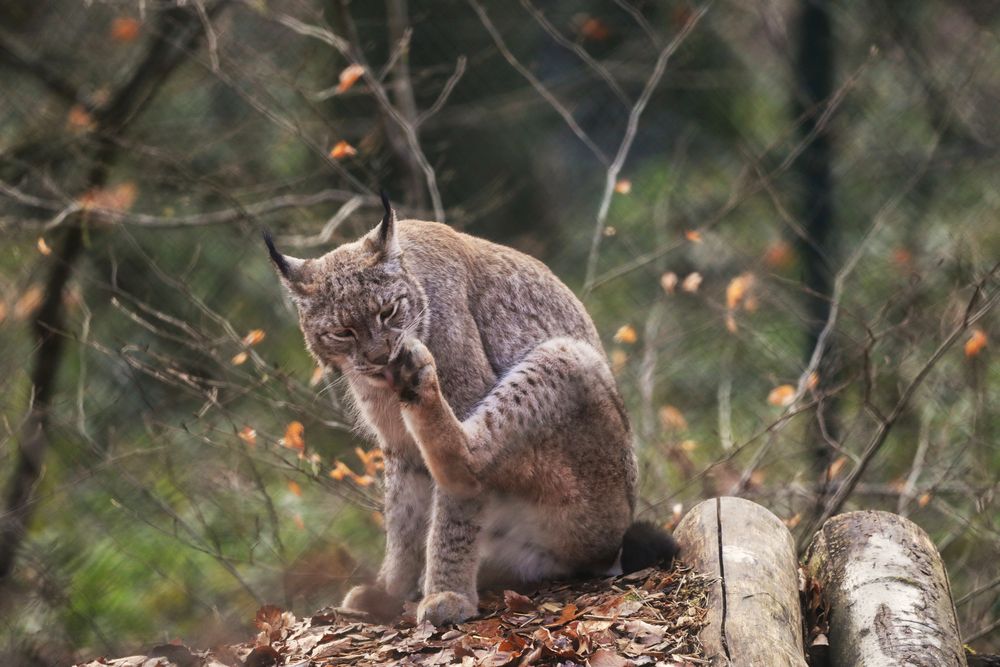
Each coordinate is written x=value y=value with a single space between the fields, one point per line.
x=357 y=303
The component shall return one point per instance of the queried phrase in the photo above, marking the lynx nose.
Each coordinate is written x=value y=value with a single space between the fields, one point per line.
x=377 y=357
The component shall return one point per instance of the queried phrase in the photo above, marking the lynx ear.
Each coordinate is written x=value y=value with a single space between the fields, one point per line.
x=293 y=271
x=385 y=239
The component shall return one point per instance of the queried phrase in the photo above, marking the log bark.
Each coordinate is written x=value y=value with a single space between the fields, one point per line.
x=754 y=617
x=887 y=591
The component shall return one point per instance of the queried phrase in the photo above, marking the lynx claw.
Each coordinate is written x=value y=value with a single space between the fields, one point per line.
x=445 y=608
x=413 y=371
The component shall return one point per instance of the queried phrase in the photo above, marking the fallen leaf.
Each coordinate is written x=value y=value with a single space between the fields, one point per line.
x=977 y=341
x=295 y=436
x=626 y=334
x=341 y=150
x=782 y=395
x=294 y=488
x=668 y=281
x=924 y=499
x=517 y=603
x=603 y=657
x=623 y=186
x=125 y=29
x=248 y=435
x=349 y=76
x=255 y=336
x=239 y=358
x=693 y=235
x=43 y=247
x=691 y=282
x=737 y=289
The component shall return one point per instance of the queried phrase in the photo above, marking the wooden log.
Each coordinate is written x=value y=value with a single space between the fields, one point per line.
x=754 y=617
x=887 y=591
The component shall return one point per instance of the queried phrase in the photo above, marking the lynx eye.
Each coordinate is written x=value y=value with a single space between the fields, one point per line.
x=388 y=312
x=342 y=334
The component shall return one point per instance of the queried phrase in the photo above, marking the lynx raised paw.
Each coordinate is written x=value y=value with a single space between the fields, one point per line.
x=374 y=601
x=445 y=608
x=413 y=371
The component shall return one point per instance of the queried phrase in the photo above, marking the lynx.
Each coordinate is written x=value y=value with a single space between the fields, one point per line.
x=508 y=453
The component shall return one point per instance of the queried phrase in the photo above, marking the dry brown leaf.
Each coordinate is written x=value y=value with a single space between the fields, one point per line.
x=518 y=603
x=626 y=334
x=781 y=396
x=977 y=341
x=341 y=150
x=349 y=76
x=295 y=436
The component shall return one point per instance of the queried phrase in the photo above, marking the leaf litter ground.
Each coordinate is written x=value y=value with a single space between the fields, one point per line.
x=651 y=617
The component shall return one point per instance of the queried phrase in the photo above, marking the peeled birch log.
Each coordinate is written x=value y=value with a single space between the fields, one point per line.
x=888 y=593
x=754 y=618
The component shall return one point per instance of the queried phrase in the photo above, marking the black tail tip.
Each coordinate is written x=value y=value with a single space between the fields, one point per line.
x=645 y=544
x=385 y=202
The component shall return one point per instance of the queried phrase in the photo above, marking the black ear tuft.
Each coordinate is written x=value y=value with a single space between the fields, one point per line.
x=388 y=220
x=276 y=257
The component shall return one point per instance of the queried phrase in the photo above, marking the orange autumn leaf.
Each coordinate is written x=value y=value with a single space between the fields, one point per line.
x=371 y=460
x=255 y=336
x=925 y=499
x=977 y=341
x=340 y=471
x=295 y=436
x=737 y=289
x=341 y=150
x=779 y=255
x=120 y=197
x=626 y=334
x=672 y=418
x=594 y=29
x=248 y=435
x=78 y=119
x=125 y=29
x=349 y=76
x=730 y=322
x=781 y=396
x=43 y=247
x=668 y=281
x=294 y=488
x=623 y=186
x=618 y=360
x=239 y=359
x=29 y=302
x=691 y=282
x=836 y=467
x=693 y=235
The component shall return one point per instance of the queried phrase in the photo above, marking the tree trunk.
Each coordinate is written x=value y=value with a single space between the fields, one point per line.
x=754 y=616
x=887 y=591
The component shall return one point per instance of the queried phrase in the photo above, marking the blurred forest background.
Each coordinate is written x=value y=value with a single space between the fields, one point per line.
x=783 y=215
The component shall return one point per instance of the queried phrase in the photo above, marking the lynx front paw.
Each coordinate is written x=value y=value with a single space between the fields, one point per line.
x=374 y=601
x=445 y=608
x=413 y=372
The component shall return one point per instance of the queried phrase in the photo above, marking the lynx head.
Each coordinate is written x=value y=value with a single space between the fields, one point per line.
x=356 y=303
